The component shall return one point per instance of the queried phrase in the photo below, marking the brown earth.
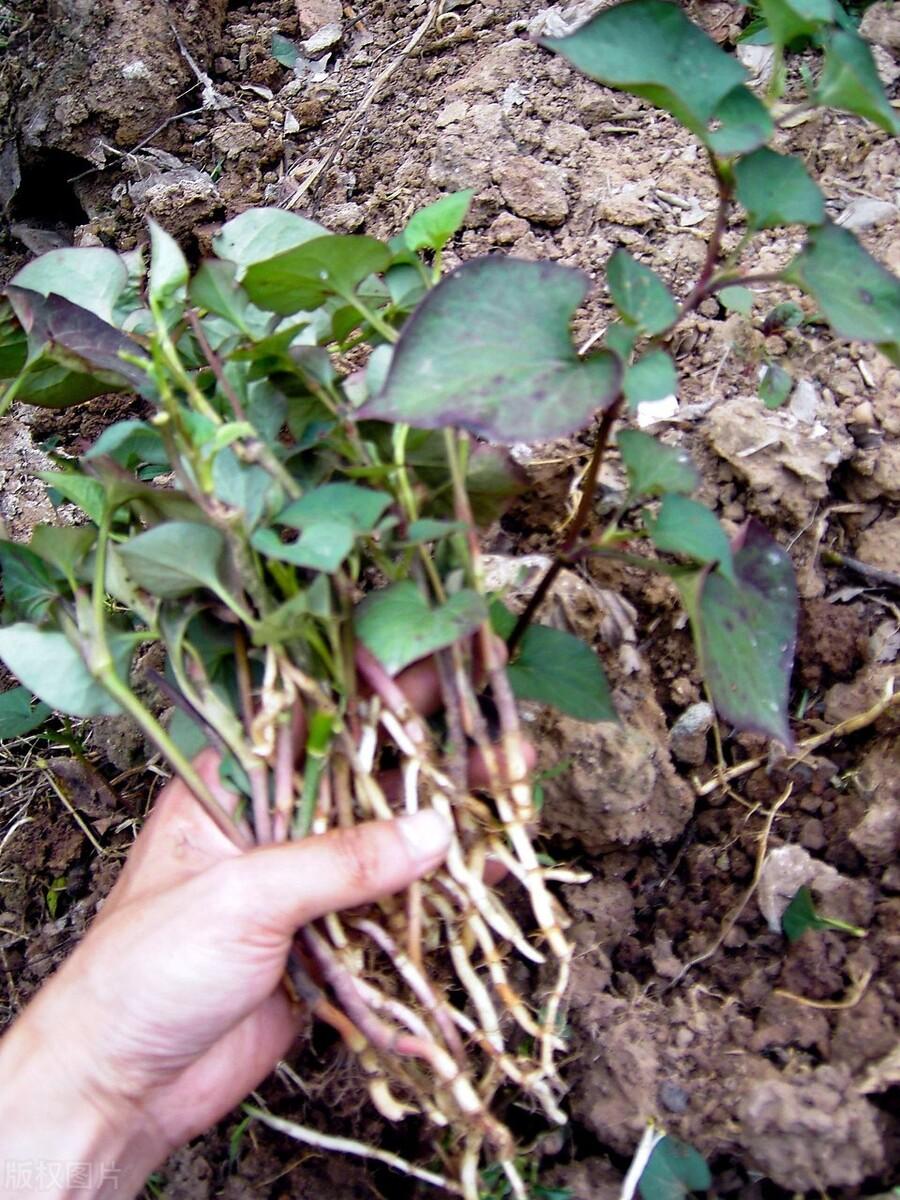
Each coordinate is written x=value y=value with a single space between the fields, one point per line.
x=778 y=1063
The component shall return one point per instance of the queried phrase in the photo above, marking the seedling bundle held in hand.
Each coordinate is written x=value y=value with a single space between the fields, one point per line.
x=298 y=523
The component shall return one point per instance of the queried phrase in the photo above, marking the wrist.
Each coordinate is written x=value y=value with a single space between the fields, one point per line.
x=59 y=1138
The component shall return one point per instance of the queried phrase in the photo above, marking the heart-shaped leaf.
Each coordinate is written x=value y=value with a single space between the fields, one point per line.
x=673 y=1170
x=685 y=527
x=432 y=227
x=167 y=281
x=790 y=19
x=50 y=666
x=641 y=297
x=398 y=626
x=78 y=340
x=175 y=558
x=323 y=545
x=358 y=507
x=303 y=278
x=554 y=667
x=30 y=585
x=89 y=276
x=850 y=81
x=654 y=468
x=859 y=298
x=651 y=378
x=743 y=123
x=651 y=49
x=489 y=350
x=19 y=714
x=262 y=233
x=775 y=189
x=746 y=632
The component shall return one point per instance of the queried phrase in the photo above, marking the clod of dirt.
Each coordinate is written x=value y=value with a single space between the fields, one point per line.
x=863 y=692
x=785 y=871
x=831 y=641
x=689 y=734
x=620 y=786
x=879 y=545
x=876 y=473
x=587 y=1179
x=785 y=460
x=881 y=24
x=314 y=15
x=113 y=71
x=877 y=836
x=812 y=1131
x=178 y=197
x=534 y=189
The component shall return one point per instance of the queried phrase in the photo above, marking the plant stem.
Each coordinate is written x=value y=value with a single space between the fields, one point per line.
x=375 y=320
x=701 y=288
x=564 y=553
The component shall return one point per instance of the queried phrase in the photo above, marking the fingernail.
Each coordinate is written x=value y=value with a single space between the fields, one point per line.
x=426 y=833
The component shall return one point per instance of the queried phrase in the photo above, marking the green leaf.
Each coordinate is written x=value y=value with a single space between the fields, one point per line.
x=673 y=1170
x=746 y=632
x=850 y=81
x=743 y=121
x=87 y=494
x=639 y=294
x=493 y=478
x=858 y=297
x=358 y=507
x=50 y=385
x=621 y=338
x=322 y=545
x=215 y=288
x=775 y=386
x=167 y=282
x=800 y=916
x=131 y=444
x=74 y=337
x=432 y=227
x=49 y=665
x=651 y=49
x=284 y=51
x=63 y=546
x=554 y=667
x=244 y=486
x=30 y=586
x=685 y=527
x=489 y=350
x=790 y=19
x=286 y=623
x=89 y=276
x=775 y=189
x=651 y=378
x=737 y=299
x=175 y=558
x=398 y=627
x=19 y=714
x=654 y=468
x=304 y=277
x=13 y=342
x=262 y=233
x=786 y=315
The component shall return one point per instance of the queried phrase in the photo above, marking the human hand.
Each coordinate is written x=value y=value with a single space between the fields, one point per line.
x=171 y=1010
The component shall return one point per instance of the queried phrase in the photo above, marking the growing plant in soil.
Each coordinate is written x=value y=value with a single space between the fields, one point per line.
x=298 y=522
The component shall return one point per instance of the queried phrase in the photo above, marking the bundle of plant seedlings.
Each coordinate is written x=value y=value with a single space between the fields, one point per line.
x=297 y=521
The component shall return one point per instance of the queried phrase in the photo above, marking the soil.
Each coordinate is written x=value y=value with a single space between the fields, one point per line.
x=778 y=1062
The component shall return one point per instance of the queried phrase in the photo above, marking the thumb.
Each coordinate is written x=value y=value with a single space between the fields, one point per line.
x=288 y=885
